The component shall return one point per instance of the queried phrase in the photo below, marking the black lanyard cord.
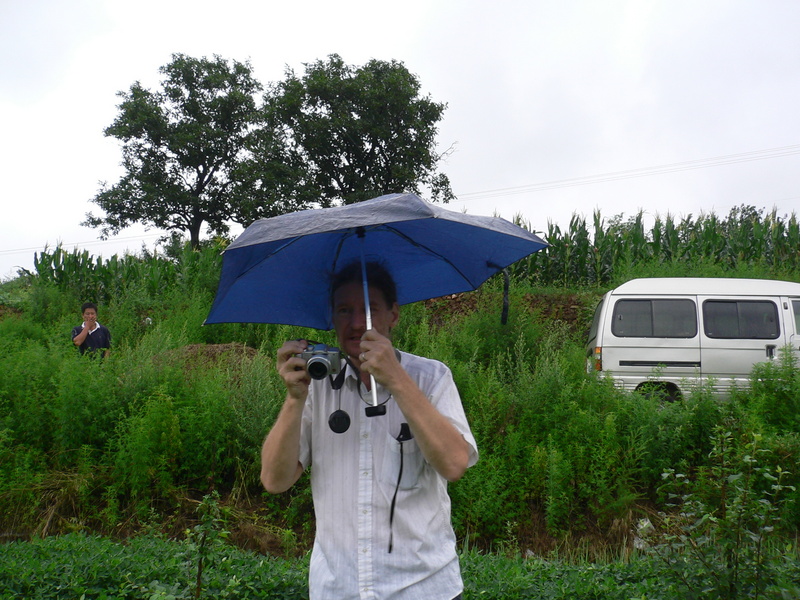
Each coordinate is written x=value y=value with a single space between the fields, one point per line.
x=405 y=435
x=394 y=500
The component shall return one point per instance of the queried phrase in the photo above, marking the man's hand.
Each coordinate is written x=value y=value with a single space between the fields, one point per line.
x=280 y=460
x=379 y=359
x=292 y=369
x=440 y=442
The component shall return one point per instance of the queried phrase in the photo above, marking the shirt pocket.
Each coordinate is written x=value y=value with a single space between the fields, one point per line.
x=408 y=455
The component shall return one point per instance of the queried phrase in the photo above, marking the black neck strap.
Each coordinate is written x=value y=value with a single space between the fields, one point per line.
x=338 y=381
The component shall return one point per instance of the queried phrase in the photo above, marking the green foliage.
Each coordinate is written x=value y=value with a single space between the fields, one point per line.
x=86 y=405
x=80 y=566
x=201 y=150
x=746 y=243
x=181 y=146
x=774 y=394
x=95 y=568
x=497 y=577
x=180 y=409
x=148 y=447
x=64 y=280
x=206 y=536
x=361 y=131
x=721 y=528
x=27 y=387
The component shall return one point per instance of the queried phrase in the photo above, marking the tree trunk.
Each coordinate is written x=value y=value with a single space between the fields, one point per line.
x=194 y=234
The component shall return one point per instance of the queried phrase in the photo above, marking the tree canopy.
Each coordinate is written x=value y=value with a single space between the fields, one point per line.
x=362 y=131
x=180 y=147
x=204 y=149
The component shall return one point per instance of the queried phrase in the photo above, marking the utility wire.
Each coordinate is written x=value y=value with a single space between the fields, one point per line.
x=688 y=165
x=702 y=163
x=89 y=243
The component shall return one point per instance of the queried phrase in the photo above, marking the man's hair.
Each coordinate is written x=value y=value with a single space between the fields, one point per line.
x=86 y=305
x=378 y=276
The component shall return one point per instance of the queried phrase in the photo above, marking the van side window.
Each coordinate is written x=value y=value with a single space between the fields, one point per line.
x=655 y=318
x=741 y=319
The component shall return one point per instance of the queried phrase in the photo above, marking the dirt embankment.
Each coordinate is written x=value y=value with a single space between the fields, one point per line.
x=573 y=309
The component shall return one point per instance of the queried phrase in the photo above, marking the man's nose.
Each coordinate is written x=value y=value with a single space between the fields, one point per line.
x=359 y=319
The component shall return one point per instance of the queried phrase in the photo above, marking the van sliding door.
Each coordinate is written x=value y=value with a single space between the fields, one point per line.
x=794 y=330
x=737 y=333
x=653 y=338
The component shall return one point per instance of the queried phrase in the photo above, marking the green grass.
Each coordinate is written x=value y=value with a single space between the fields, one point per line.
x=149 y=566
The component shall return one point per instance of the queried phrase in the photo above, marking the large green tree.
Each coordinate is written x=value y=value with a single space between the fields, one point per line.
x=201 y=150
x=188 y=152
x=362 y=131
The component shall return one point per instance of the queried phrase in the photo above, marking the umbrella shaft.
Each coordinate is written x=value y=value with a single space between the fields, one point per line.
x=368 y=315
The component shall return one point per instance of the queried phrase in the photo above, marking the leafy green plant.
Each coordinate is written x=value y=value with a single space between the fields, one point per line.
x=148 y=446
x=77 y=565
x=206 y=535
x=774 y=394
x=719 y=531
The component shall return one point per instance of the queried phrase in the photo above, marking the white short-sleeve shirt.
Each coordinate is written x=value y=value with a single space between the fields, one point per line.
x=354 y=476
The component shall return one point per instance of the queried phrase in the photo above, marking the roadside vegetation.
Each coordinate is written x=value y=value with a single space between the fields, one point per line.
x=142 y=468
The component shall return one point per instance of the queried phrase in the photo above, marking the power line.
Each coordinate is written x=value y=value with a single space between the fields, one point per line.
x=88 y=243
x=688 y=165
x=702 y=163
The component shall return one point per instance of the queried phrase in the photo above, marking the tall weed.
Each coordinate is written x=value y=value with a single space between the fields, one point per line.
x=722 y=523
x=774 y=394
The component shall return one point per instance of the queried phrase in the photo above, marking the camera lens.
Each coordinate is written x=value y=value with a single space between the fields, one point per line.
x=318 y=367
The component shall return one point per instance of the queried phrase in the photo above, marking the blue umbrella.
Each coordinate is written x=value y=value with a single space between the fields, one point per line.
x=278 y=270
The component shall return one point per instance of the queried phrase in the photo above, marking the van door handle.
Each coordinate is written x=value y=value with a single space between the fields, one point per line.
x=771 y=351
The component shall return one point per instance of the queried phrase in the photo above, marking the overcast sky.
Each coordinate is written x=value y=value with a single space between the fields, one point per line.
x=555 y=107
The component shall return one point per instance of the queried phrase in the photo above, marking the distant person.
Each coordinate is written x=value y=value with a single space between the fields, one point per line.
x=90 y=336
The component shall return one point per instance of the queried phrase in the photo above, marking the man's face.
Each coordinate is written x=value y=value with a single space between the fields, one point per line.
x=350 y=318
x=90 y=316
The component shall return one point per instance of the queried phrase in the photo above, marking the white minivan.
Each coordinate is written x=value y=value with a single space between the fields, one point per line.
x=671 y=333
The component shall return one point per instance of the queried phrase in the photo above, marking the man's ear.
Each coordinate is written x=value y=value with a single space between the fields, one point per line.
x=395 y=316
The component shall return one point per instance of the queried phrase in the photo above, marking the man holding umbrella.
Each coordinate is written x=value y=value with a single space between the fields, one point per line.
x=379 y=484
x=379 y=480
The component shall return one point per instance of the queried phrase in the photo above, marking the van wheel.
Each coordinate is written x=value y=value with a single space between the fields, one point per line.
x=659 y=390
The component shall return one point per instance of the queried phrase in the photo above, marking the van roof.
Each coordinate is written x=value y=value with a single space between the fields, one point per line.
x=709 y=286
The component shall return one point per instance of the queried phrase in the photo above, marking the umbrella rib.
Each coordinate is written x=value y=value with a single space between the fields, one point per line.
x=413 y=242
x=267 y=257
x=338 y=251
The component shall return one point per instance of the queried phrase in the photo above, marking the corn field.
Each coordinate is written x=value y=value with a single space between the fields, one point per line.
x=582 y=256
x=93 y=278
x=607 y=251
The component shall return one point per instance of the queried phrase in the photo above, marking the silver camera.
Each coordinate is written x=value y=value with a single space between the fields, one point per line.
x=321 y=360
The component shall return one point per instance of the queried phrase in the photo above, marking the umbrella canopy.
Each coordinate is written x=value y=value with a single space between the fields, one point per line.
x=279 y=269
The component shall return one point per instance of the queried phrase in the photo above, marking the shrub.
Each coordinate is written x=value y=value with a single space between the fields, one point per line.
x=774 y=395
x=719 y=532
